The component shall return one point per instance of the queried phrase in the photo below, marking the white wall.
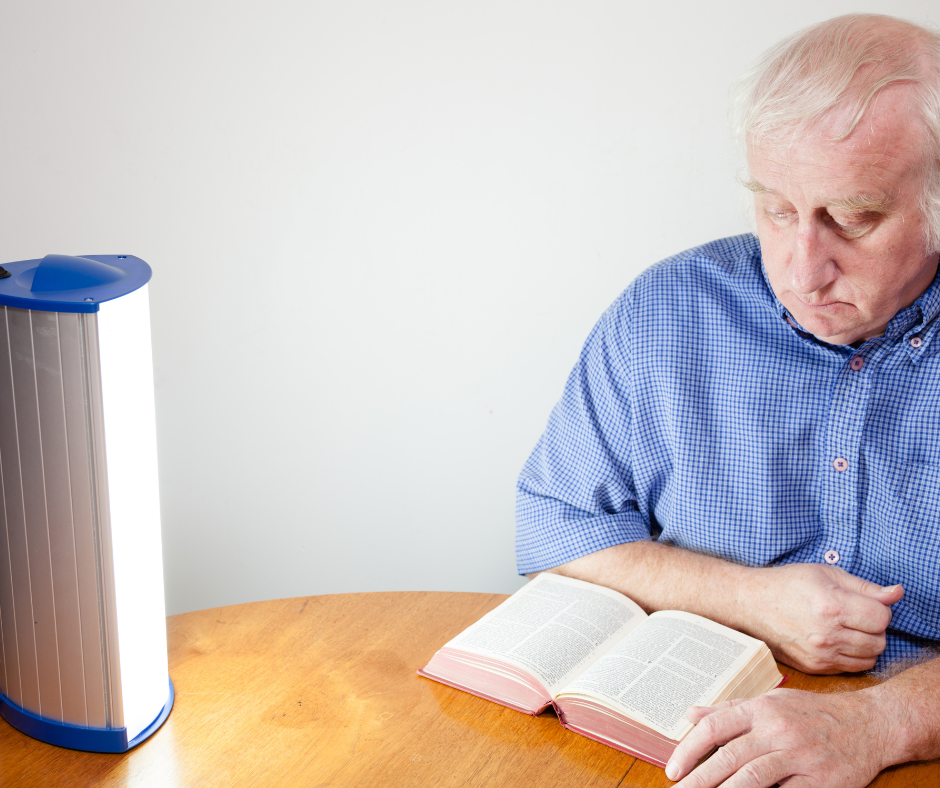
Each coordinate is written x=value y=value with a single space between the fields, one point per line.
x=379 y=233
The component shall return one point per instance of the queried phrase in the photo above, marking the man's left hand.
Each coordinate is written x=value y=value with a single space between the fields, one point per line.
x=805 y=738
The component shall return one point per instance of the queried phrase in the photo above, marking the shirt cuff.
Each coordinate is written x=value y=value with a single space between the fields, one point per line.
x=541 y=546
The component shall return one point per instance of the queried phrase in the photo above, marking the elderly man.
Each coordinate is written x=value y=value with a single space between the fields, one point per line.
x=752 y=431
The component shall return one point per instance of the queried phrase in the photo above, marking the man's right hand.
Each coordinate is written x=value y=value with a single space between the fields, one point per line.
x=819 y=618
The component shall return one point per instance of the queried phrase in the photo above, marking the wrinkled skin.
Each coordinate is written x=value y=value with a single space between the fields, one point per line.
x=800 y=739
x=820 y=619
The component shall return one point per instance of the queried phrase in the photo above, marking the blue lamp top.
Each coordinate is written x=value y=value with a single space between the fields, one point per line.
x=60 y=283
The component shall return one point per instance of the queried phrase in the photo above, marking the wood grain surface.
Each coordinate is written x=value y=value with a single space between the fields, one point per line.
x=322 y=691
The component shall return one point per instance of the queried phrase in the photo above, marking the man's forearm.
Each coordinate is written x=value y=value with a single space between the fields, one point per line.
x=909 y=709
x=662 y=577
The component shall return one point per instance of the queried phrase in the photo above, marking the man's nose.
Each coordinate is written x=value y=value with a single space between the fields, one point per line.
x=812 y=265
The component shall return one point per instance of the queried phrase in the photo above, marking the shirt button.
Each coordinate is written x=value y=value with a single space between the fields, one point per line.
x=916 y=342
x=857 y=363
x=840 y=464
x=832 y=557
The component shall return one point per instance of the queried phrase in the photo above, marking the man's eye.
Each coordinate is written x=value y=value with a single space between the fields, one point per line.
x=852 y=229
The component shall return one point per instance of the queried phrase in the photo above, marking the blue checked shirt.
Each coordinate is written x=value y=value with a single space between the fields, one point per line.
x=700 y=414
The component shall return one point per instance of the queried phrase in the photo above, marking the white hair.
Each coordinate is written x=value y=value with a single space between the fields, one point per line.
x=836 y=68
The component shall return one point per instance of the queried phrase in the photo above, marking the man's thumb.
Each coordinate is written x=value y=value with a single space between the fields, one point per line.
x=887 y=595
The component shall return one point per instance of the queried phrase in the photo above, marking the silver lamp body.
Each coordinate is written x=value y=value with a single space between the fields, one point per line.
x=83 y=659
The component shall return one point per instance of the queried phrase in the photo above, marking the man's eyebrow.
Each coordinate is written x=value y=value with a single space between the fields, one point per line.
x=755 y=186
x=859 y=203
x=863 y=203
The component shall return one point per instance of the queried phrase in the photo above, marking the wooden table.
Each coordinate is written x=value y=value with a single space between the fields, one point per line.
x=322 y=691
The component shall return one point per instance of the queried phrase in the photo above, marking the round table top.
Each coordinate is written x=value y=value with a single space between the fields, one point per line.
x=322 y=691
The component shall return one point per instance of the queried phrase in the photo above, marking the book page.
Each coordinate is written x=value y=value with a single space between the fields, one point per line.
x=554 y=627
x=673 y=661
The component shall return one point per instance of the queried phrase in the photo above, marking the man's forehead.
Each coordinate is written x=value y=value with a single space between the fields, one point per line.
x=828 y=175
x=883 y=151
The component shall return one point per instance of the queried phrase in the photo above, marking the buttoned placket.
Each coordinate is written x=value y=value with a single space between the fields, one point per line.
x=839 y=488
x=837 y=542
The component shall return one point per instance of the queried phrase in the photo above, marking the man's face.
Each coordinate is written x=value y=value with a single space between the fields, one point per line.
x=840 y=228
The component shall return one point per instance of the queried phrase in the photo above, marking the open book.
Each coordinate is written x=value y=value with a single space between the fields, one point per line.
x=612 y=673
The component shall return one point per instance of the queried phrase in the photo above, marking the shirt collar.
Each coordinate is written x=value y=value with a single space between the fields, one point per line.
x=918 y=315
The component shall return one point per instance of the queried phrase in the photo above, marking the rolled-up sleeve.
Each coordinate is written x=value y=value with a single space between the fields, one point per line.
x=575 y=494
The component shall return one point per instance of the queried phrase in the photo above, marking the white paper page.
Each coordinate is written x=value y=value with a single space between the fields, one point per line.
x=675 y=661
x=554 y=627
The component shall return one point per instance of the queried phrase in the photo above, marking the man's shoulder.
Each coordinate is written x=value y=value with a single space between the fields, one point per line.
x=702 y=285
x=727 y=260
x=725 y=269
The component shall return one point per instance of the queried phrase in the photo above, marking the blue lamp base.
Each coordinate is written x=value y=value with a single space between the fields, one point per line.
x=79 y=737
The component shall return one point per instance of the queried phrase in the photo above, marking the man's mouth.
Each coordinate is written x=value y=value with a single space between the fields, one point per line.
x=817 y=304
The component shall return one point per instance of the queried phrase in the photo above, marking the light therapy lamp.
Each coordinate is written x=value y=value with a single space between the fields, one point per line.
x=83 y=659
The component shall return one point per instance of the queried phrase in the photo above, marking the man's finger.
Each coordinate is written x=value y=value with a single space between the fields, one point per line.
x=759 y=769
x=695 y=714
x=715 y=729
x=855 y=664
x=861 y=644
x=848 y=651
x=865 y=614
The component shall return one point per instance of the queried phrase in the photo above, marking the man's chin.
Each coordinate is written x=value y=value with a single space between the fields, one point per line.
x=833 y=332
